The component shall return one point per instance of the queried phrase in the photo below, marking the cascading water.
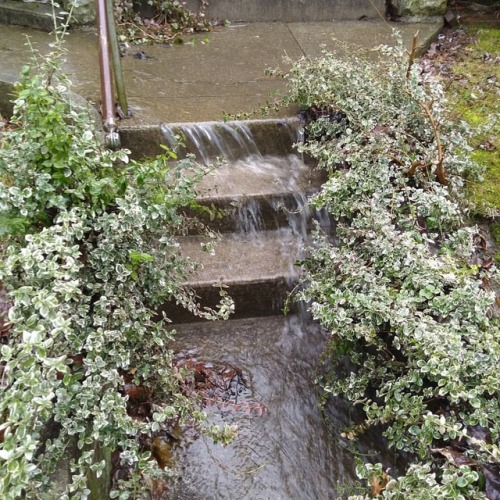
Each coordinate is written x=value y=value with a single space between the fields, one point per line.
x=213 y=140
x=287 y=452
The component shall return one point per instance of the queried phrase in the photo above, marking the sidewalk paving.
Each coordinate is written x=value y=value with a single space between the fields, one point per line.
x=213 y=73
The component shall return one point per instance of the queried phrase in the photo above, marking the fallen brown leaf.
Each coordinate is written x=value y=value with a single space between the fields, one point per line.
x=453 y=456
x=378 y=483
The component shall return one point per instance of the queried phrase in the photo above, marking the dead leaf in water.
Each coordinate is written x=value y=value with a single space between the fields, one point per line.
x=159 y=488
x=492 y=477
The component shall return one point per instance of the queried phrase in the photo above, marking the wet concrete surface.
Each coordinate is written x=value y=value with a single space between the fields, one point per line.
x=288 y=452
x=285 y=454
x=264 y=230
x=212 y=74
x=245 y=257
x=33 y=14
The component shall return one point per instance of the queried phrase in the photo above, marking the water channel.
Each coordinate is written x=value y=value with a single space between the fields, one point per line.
x=284 y=448
x=289 y=451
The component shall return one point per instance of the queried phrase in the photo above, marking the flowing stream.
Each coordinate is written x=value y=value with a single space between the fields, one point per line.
x=284 y=448
x=287 y=452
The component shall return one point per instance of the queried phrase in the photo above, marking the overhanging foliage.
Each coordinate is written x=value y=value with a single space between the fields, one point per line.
x=403 y=288
x=89 y=249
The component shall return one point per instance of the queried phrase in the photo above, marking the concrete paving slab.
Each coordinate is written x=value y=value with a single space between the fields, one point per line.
x=215 y=73
x=349 y=36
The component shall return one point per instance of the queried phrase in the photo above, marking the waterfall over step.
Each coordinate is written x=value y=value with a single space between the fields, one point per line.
x=266 y=219
x=227 y=141
x=209 y=140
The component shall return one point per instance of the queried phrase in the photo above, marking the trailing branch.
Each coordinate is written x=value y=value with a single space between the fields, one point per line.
x=435 y=128
x=426 y=109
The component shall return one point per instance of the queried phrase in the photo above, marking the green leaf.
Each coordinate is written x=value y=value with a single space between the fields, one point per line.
x=139 y=257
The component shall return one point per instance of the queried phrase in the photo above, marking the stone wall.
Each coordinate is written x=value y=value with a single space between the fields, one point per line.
x=84 y=11
x=291 y=10
x=417 y=8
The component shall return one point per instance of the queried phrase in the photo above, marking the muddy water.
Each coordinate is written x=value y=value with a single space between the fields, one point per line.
x=287 y=452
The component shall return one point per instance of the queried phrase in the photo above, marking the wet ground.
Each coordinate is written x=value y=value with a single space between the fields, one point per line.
x=476 y=11
x=285 y=453
x=210 y=74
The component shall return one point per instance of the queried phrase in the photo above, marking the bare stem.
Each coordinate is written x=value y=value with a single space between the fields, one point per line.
x=413 y=54
x=426 y=108
x=435 y=128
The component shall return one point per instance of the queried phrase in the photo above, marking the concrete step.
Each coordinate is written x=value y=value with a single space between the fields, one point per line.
x=257 y=271
x=226 y=140
x=259 y=175
x=265 y=230
x=245 y=257
x=255 y=191
x=291 y=10
x=260 y=193
x=31 y=14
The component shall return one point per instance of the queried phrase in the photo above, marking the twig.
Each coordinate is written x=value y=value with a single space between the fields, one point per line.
x=435 y=128
x=417 y=164
x=413 y=54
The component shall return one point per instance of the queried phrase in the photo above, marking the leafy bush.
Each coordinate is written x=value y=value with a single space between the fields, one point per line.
x=403 y=287
x=89 y=247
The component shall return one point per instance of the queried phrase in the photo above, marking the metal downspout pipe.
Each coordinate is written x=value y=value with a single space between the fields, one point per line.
x=106 y=70
x=116 y=59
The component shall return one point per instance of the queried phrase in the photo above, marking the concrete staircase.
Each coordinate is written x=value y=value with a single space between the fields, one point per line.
x=183 y=88
x=34 y=15
x=266 y=223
